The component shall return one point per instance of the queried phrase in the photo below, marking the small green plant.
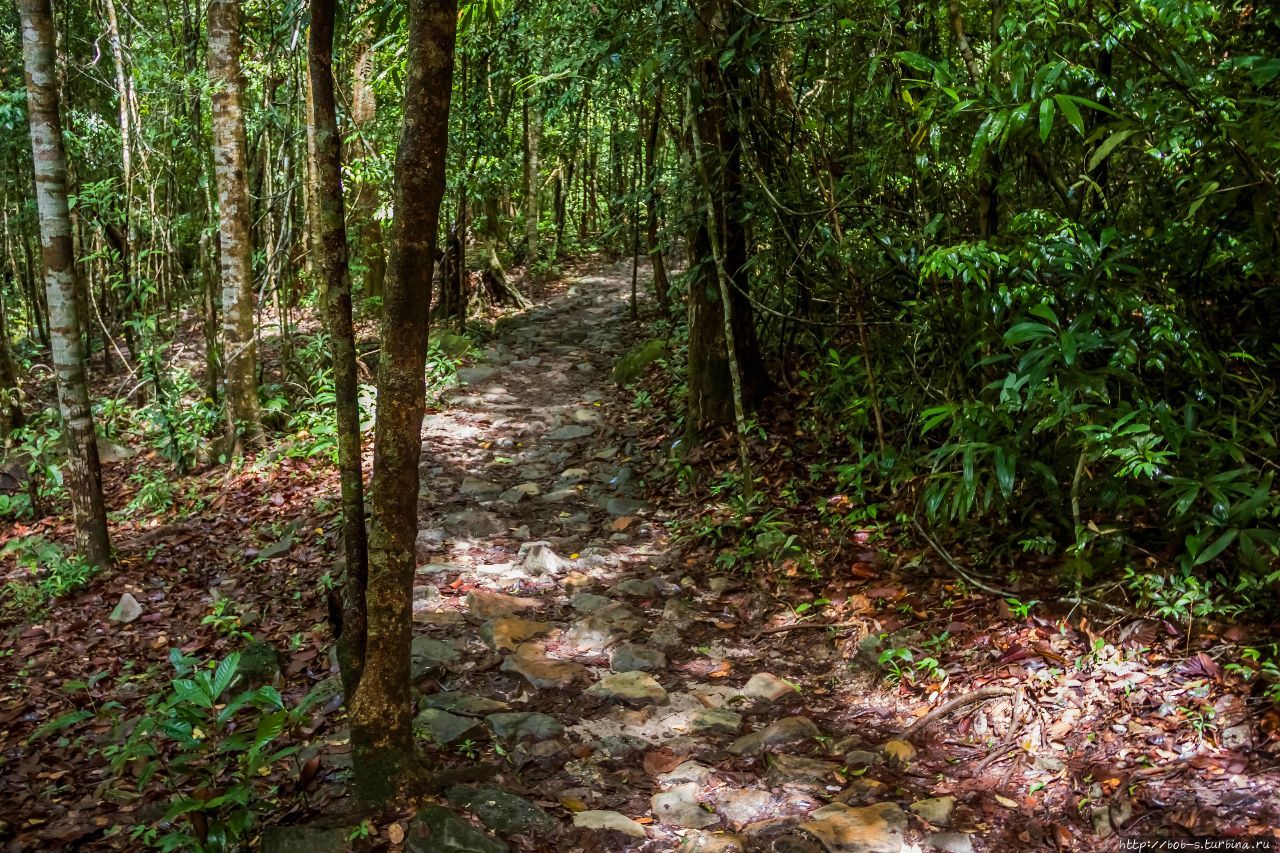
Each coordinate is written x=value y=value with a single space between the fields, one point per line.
x=214 y=753
x=902 y=667
x=225 y=620
x=155 y=493
x=54 y=573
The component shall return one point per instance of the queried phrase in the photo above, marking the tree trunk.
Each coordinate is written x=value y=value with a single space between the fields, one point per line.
x=83 y=472
x=239 y=351
x=661 y=284
x=711 y=393
x=532 y=142
x=11 y=416
x=364 y=115
x=381 y=713
x=331 y=253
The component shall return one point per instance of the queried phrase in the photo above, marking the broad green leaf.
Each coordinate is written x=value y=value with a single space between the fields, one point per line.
x=1027 y=331
x=1105 y=149
x=1070 y=112
x=225 y=673
x=1217 y=547
x=1046 y=118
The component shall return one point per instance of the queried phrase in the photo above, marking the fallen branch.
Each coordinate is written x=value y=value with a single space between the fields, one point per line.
x=800 y=626
x=979 y=695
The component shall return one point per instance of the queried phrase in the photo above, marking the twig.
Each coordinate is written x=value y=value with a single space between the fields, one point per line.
x=979 y=695
x=956 y=567
x=801 y=626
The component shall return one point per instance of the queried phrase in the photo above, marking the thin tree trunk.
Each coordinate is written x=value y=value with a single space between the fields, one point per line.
x=11 y=416
x=382 y=711
x=532 y=141
x=661 y=285
x=239 y=349
x=364 y=116
x=331 y=253
x=83 y=471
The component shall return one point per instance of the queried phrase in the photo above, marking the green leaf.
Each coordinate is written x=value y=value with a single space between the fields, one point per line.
x=1046 y=118
x=1071 y=112
x=1217 y=547
x=66 y=720
x=1027 y=331
x=1105 y=149
x=269 y=728
x=188 y=691
x=225 y=673
x=1004 y=472
x=1068 y=347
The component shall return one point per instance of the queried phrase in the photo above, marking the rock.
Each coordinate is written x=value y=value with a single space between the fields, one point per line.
x=717 y=721
x=636 y=588
x=862 y=757
x=686 y=771
x=572 y=476
x=586 y=416
x=631 y=657
x=513 y=496
x=464 y=703
x=109 y=452
x=505 y=633
x=1048 y=763
x=438 y=830
x=427 y=654
x=842 y=829
x=126 y=610
x=531 y=663
x=484 y=604
x=630 y=688
x=711 y=842
x=679 y=807
x=304 y=839
x=787 y=731
x=481 y=490
x=1238 y=736
x=899 y=751
x=951 y=842
x=569 y=432
x=620 y=746
x=539 y=559
x=767 y=686
x=593 y=633
x=799 y=771
x=740 y=807
x=936 y=810
x=557 y=496
x=516 y=726
x=443 y=727
x=589 y=602
x=428 y=542
x=631 y=365
x=625 y=506
x=502 y=811
x=473 y=523
x=615 y=821
x=452 y=344
x=476 y=374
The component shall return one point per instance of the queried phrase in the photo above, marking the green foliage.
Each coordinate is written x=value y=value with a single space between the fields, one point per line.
x=214 y=750
x=54 y=573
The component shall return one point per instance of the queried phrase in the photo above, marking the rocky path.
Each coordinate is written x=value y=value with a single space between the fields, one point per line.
x=555 y=640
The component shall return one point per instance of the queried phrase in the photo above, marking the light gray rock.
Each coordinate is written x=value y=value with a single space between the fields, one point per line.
x=951 y=842
x=126 y=610
x=464 y=703
x=843 y=829
x=539 y=559
x=679 y=807
x=767 y=686
x=473 y=524
x=608 y=820
x=444 y=727
x=438 y=830
x=625 y=506
x=717 y=721
x=935 y=810
x=630 y=688
x=476 y=374
x=427 y=654
x=516 y=726
x=631 y=657
x=502 y=811
x=570 y=432
x=481 y=490
x=784 y=732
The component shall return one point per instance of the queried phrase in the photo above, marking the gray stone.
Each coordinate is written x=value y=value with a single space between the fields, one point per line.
x=608 y=820
x=539 y=559
x=473 y=523
x=862 y=757
x=595 y=632
x=787 y=731
x=589 y=602
x=631 y=365
x=1238 y=736
x=631 y=657
x=625 y=506
x=464 y=703
x=438 y=830
x=636 y=588
x=739 y=807
x=427 y=654
x=686 y=771
x=717 y=721
x=843 y=829
x=767 y=686
x=620 y=746
x=443 y=727
x=630 y=688
x=570 y=432
x=796 y=770
x=501 y=811
x=935 y=810
x=126 y=610
x=515 y=726
x=679 y=807
x=506 y=633
x=951 y=842
x=304 y=839
x=485 y=604
x=476 y=374
x=481 y=490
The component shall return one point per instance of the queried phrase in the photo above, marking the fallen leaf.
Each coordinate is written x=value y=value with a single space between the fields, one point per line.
x=395 y=833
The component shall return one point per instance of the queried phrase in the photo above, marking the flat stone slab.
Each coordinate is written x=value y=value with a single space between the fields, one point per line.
x=438 y=830
x=502 y=811
x=787 y=731
x=444 y=727
x=610 y=820
x=426 y=654
x=531 y=662
x=679 y=807
x=843 y=829
x=506 y=633
x=476 y=374
x=484 y=604
x=767 y=686
x=464 y=703
x=570 y=432
x=632 y=657
x=516 y=726
x=630 y=688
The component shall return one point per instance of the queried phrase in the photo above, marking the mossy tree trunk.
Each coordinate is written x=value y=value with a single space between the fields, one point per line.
x=381 y=710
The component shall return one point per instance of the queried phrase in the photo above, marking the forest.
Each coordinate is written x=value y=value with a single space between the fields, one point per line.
x=603 y=425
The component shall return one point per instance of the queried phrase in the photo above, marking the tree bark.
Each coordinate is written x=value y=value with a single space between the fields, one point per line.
x=331 y=253
x=532 y=142
x=381 y=713
x=364 y=114
x=230 y=160
x=711 y=392
x=11 y=416
x=84 y=472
